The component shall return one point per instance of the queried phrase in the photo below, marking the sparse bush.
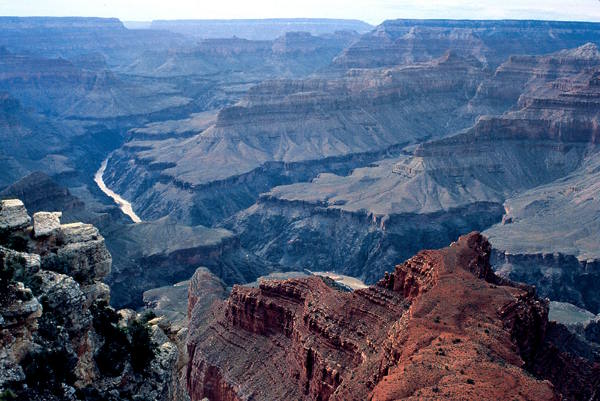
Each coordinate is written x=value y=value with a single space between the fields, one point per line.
x=133 y=344
x=147 y=316
x=114 y=353
x=142 y=347
x=7 y=271
x=7 y=395
x=47 y=369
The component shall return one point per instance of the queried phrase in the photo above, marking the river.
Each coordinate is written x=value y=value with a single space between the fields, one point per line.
x=124 y=205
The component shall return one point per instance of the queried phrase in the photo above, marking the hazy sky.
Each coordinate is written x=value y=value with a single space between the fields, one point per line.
x=373 y=11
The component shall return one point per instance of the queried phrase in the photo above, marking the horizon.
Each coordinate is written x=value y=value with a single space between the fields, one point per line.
x=125 y=21
x=372 y=12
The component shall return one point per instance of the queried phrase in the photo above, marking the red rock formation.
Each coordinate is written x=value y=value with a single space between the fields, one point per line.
x=441 y=326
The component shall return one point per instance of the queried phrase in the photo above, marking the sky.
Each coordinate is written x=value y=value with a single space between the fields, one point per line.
x=372 y=11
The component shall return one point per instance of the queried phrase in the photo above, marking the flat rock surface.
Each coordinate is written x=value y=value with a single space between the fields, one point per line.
x=46 y=223
x=563 y=216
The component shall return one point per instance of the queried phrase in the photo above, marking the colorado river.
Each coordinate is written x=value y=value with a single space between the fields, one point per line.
x=124 y=205
x=349 y=281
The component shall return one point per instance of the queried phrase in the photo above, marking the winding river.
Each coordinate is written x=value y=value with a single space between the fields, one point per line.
x=124 y=205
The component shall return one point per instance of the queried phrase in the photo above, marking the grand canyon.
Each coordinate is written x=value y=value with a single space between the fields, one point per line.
x=299 y=209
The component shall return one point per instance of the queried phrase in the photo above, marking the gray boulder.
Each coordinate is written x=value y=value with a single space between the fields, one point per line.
x=13 y=215
x=46 y=223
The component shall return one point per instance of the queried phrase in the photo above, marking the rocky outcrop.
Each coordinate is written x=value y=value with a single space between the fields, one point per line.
x=59 y=338
x=13 y=215
x=441 y=325
x=46 y=223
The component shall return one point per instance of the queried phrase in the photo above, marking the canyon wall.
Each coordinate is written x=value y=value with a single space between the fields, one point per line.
x=405 y=337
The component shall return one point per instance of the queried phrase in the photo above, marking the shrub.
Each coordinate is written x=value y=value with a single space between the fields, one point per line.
x=7 y=271
x=114 y=353
x=47 y=369
x=148 y=315
x=133 y=344
x=142 y=347
x=7 y=395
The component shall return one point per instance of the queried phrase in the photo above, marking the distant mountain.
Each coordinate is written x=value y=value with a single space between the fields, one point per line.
x=492 y=42
x=67 y=37
x=258 y=29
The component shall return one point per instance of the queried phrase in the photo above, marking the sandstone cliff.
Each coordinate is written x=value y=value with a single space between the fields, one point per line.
x=441 y=325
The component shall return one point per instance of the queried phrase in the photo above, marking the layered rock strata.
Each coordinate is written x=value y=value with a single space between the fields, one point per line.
x=492 y=42
x=441 y=325
x=289 y=130
x=536 y=166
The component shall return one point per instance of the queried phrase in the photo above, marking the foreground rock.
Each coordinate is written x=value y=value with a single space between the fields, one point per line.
x=442 y=325
x=59 y=339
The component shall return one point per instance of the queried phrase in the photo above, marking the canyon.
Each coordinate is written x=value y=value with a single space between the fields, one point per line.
x=249 y=184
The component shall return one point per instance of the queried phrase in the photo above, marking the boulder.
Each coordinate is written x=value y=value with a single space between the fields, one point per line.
x=82 y=255
x=13 y=215
x=46 y=223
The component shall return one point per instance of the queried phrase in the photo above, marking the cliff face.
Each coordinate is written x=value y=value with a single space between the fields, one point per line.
x=537 y=166
x=71 y=37
x=59 y=339
x=58 y=87
x=282 y=123
x=441 y=325
x=523 y=73
x=161 y=253
x=492 y=42
x=315 y=235
x=293 y=54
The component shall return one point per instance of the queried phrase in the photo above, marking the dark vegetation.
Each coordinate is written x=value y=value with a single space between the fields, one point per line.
x=131 y=344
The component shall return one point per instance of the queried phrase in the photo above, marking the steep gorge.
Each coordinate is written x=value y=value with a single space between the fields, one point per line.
x=450 y=186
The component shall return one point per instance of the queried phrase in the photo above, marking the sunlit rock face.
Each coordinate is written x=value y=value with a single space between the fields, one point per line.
x=408 y=335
